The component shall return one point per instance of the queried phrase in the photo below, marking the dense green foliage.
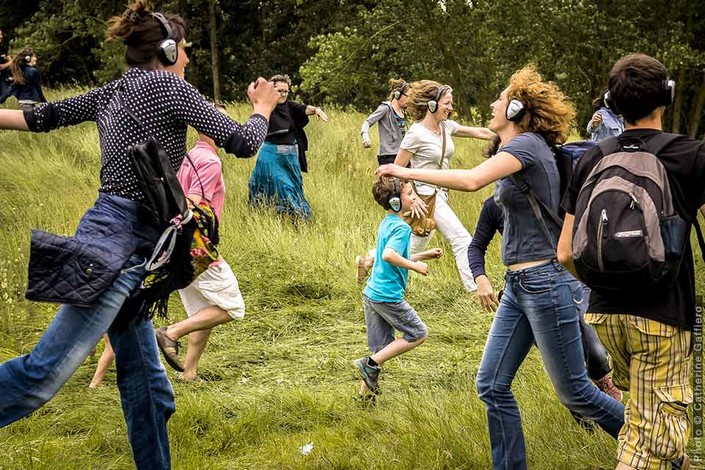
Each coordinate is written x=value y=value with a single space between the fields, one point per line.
x=344 y=51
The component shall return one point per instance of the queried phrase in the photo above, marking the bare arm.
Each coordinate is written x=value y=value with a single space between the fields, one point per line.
x=195 y=199
x=501 y=165
x=428 y=254
x=565 y=244
x=403 y=157
x=13 y=119
x=474 y=132
x=316 y=111
x=392 y=257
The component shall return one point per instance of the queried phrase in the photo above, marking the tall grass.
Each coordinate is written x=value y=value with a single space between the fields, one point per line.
x=282 y=377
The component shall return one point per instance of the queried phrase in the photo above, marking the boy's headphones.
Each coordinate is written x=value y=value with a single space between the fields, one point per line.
x=433 y=104
x=396 y=94
x=395 y=198
x=515 y=110
x=668 y=92
x=167 y=50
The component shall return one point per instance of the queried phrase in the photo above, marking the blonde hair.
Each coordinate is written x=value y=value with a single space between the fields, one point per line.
x=420 y=94
x=549 y=112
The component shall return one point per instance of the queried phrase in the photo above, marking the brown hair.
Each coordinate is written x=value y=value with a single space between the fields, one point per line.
x=19 y=62
x=636 y=85
x=397 y=84
x=383 y=190
x=142 y=33
x=599 y=102
x=420 y=94
x=548 y=111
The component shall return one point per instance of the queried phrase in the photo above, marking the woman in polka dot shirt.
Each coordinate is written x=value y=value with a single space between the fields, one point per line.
x=116 y=231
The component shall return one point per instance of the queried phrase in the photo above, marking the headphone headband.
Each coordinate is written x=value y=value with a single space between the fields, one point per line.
x=440 y=91
x=164 y=23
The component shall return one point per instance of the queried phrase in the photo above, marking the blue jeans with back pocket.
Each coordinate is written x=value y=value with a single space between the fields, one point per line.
x=538 y=305
x=29 y=381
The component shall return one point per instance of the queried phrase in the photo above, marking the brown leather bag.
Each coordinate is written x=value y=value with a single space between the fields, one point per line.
x=424 y=225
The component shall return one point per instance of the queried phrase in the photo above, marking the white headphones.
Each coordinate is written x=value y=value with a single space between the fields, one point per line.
x=433 y=104
x=515 y=110
x=167 y=50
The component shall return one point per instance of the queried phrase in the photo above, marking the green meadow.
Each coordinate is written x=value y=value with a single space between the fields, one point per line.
x=282 y=377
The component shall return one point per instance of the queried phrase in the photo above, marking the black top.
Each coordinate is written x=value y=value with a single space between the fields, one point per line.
x=282 y=130
x=166 y=105
x=30 y=91
x=491 y=220
x=684 y=160
x=286 y=127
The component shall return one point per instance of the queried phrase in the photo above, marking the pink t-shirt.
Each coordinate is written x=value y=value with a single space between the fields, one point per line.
x=209 y=169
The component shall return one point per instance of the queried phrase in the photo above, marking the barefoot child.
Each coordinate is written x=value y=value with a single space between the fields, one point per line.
x=383 y=296
x=214 y=297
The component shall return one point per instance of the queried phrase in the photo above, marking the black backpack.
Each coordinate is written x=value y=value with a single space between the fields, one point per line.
x=626 y=233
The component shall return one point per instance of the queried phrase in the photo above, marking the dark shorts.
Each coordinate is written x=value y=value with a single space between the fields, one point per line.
x=382 y=318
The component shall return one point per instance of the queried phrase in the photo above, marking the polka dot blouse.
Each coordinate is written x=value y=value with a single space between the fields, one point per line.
x=166 y=105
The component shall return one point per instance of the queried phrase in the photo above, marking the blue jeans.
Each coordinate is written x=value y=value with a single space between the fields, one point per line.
x=539 y=303
x=29 y=381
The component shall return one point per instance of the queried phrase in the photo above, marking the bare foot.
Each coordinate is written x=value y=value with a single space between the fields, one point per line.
x=184 y=377
x=94 y=384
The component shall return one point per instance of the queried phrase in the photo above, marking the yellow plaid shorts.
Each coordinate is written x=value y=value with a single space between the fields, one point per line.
x=652 y=361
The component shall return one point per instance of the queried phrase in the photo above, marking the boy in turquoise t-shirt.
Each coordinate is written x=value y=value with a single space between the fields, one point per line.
x=383 y=296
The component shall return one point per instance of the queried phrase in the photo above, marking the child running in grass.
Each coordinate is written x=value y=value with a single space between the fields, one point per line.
x=383 y=296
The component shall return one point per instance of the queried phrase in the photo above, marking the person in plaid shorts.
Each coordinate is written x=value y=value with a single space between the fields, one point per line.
x=648 y=335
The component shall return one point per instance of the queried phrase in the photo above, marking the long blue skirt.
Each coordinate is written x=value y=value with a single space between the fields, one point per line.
x=276 y=181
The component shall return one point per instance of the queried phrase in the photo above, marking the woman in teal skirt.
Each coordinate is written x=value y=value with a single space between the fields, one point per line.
x=276 y=180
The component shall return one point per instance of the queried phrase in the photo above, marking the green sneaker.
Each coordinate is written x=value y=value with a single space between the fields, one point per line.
x=370 y=374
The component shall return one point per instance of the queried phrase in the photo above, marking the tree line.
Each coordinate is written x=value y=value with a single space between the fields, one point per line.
x=344 y=51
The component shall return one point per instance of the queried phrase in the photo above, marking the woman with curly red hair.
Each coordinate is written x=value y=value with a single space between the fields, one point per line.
x=540 y=296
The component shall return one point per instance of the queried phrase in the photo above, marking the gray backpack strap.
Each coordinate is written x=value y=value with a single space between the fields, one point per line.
x=536 y=204
x=657 y=143
x=609 y=145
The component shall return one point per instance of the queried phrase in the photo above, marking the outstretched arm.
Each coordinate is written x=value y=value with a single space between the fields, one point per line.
x=501 y=165
x=474 y=132
x=13 y=119
x=316 y=111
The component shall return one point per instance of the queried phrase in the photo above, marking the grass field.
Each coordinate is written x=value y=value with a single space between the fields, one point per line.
x=282 y=377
